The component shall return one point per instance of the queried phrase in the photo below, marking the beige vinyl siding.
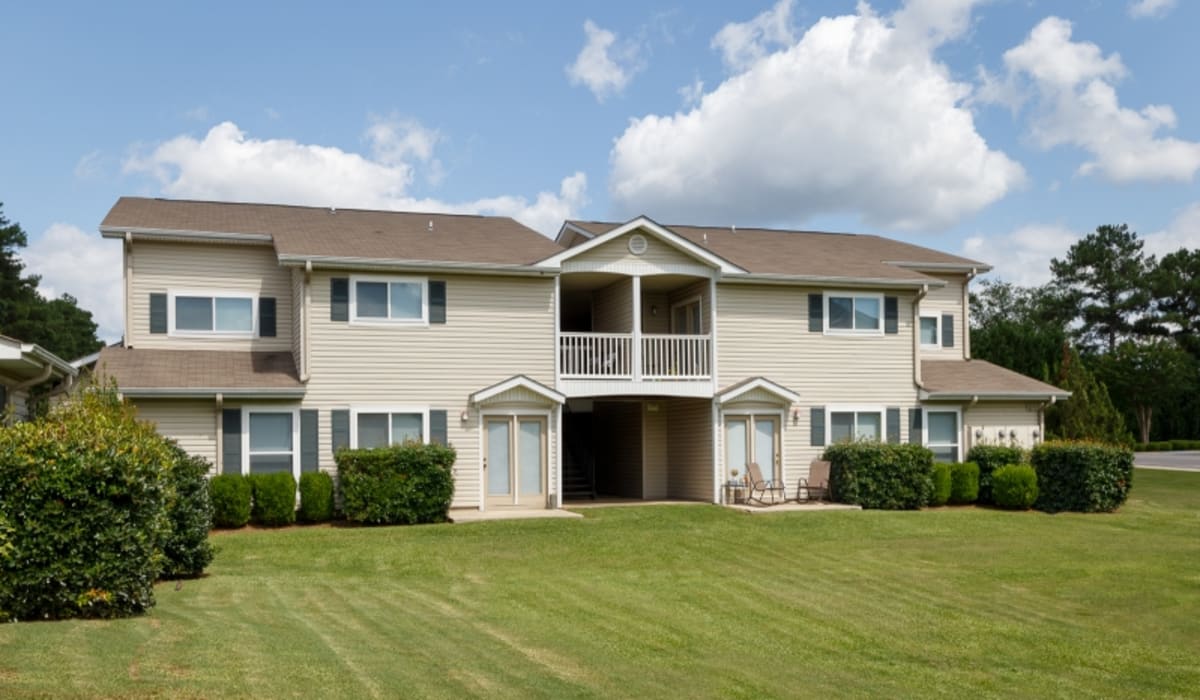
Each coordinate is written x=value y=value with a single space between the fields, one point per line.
x=655 y=453
x=617 y=251
x=991 y=417
x=612 y=307
x=946 y=300
x=689 y=447
x=200 y=267
x=656 y=312
x=496 y=327
x=763 y=331
x=619 y=455
x=192 y=423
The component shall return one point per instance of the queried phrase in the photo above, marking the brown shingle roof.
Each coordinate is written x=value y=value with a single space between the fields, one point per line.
x=772 y=251
x=145 y=368
x=344 y=233
x=981 y=378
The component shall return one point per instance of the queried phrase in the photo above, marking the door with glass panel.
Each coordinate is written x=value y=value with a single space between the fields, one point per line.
x=753 y=438
x=514 y=460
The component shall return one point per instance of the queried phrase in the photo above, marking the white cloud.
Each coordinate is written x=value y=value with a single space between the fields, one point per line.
x=229 y=165
x=743 y=44
x=692 y=92
x=84 y=265
x=856 y=116
x=1150 y=8
x=1182 y=232
x=90 y=166
x=1076 y=104
x=604 y=65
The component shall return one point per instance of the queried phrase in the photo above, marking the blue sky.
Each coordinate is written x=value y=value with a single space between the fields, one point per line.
x=1002 y=130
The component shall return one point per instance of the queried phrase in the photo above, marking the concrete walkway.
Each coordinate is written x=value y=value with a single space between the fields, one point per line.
x=471 y=515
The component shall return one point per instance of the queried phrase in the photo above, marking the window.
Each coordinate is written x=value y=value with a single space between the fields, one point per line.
x=270 y=441
x=855 y=424
x=941 y=434
x=853 y=313
x=686 y=318
x=931 y=331
x=389 y=300
x=380 y=427
x=208 y=313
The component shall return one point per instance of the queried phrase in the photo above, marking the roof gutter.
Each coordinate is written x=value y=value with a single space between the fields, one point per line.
x=971 y=267
x=966 y=306
x=879 y=282
x=180 y=235
x=975 y=396
x=311 y=262
x=212 y=392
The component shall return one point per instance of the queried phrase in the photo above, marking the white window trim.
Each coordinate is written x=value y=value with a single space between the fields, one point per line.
x=853 y=331
x=389 y=321
x=698 y=300
x=389 y=410
x=213 y=294
x=958 y=428
x=856 y=409
x=937 y=344
x=267 y=408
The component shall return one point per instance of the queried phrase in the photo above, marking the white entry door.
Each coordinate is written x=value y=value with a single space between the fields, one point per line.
x=515 y=460
x=753 y=439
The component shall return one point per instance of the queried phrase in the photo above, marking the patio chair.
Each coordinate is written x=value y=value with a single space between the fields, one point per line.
x=816 y=484
x=759 y=487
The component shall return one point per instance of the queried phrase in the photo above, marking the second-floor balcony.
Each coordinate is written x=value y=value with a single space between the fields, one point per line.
x=645 y=357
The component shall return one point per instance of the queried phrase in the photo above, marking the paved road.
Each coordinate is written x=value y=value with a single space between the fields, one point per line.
x=1186 y=461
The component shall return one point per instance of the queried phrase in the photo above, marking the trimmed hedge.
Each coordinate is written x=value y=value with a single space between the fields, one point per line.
x=1168 y=446
x=881 y=475
x=940 y=495
x=274 y=499
x=1082 y=476
x=990 y=458
x=964 y=483
x=231 y=495
x=1015 y=486
x=402 y=484
x=316 y=497
x=190 y=510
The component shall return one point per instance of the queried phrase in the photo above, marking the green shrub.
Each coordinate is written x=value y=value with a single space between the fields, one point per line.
x=1185 y=444
x=1015 y=486
x=274 y=499
x=990 y=458
x=881 y=475
x=941 y=484
x=1082 y=476
x=964 y=483
x=316 y=497
x=231 y=495
x=190 y=511
x=410 y=483
x=85 y=492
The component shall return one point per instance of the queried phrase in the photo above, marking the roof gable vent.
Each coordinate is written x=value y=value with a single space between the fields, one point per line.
x=637 y=244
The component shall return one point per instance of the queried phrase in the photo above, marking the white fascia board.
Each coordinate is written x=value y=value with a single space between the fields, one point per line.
x=758 y=383
x=396 y=265
x=814 y=280
x=941 y=267
x=993 y=395
x=518 y=381
x=185 y=393
x=175 y=234
x=658 y=231
x=572 y=228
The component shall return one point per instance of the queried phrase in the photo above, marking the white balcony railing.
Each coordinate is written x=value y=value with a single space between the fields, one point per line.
x=676 y=357
x=612 y=356
x=595 y=355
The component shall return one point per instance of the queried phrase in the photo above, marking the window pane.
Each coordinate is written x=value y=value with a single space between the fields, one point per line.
x=268 y=464
x=735 y=447
x=943 y=428
x=406 y=299
x=235 y=314
x=697 y=322
x=371 y=299
x=866 y=313
x=372 y=430
x=944 y=454
x=870 y=426
x=193 y=313
x=270 y=432
x=529 y=457
x=929 y=330
x=406 y=426
x=841 y=312
x=498 y=466
x=841 y=427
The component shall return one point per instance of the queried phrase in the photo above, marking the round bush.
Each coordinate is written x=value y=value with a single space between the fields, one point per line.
x=941 y=484
x=964 y=483
x=190 y=510
x=316 y=497
x=230 y=494
x=274 y=499
x=1015 y=486
x=990 y=458
x=1082 y=476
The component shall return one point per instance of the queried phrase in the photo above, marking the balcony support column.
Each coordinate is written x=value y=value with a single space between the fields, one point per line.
x=637 y=329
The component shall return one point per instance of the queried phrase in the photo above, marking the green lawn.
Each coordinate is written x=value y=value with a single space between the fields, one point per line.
x=681 y=601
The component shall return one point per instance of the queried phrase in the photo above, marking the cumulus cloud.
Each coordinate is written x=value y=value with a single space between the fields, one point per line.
x=604 y=65
x=227 y=164
x=1075 y=103
x=742 y=44
x=856 y=116
x=71 y=261
x=1150 y=8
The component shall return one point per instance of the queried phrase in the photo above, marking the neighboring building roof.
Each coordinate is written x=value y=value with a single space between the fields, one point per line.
x=29 y=362
x=808 y=253
x=957 y=379
x=154 y=372
x=328 y=234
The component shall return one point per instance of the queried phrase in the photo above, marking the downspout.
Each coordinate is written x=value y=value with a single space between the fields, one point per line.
x=966 y=303
x=127 y=273
x=219 y=467
x=916 y=336
x=305 y=302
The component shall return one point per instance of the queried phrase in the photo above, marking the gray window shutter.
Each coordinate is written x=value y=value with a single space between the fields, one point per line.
x=893 y=425
x=818 y=426
x=437 y=301
x=915 y=428
x=339 y=299
x=158 y=313
x=891 y=315
x=816 y=313
x=266 y=317
x=339 y=422
x=947 y=330
x=231 y=438
x=309 y=451
x=438 y=432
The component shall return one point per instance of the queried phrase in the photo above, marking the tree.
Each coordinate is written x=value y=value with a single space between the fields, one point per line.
x=1148 y=375
x=1104 y=277
x=1089 y=414
x=1175 y=284
x=1019 y=328
x=58 y=325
